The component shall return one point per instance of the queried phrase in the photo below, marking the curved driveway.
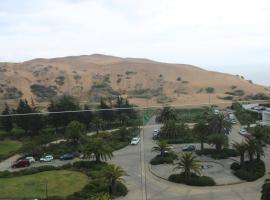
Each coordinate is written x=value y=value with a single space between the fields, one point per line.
x=135 y=159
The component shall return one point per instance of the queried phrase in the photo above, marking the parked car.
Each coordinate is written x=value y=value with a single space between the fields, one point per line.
x=21 y=163
x=67 y=156
x=248 y=136
x=47 y=158
x=233 y=121
x=156 y=135
x=171 y=148
x=31 y=159
x=243 y=132
x=135 y=141
x=189 y=148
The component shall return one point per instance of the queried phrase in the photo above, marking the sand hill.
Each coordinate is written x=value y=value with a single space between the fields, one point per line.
x=145 y=82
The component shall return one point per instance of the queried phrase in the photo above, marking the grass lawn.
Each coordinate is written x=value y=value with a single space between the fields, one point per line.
x=60 y=183
x=9 y=146
x=189 y=115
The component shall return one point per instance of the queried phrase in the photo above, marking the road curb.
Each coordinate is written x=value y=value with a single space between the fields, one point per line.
x=218 y=185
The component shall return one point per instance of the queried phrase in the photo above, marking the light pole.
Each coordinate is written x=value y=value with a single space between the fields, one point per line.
x=46 y=189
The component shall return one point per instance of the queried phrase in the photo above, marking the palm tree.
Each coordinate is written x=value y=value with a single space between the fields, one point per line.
x=101 y=196
x=187 y=164
x=259 y=151
x=201 y=130
x=259 y=133
x=241 y=148
x=100 y=150
x=218 y=140
x=266 y=190
x=166 y=114
x=169 y=129
x=75 y=131
x=220 y=124
x=162 y=147
x=112 y=175
x=252 y=148
x=97 y=123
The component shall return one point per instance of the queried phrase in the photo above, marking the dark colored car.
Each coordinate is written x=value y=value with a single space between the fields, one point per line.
x=67 y=156
x=21 y=163
x=189 y=148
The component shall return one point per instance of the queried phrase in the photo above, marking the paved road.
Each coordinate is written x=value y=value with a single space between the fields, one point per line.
x=143 y=185
x=130 y=159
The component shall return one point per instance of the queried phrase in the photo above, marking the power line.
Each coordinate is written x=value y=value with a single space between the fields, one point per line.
x=129 y=108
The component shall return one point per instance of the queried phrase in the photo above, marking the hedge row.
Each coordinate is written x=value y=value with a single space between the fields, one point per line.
x=166 y=159
x=250 y=171
x=223 y=154
x=193 y=180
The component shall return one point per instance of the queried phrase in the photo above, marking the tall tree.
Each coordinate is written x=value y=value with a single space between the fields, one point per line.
x=87 y=116
x=252 y=148
x=64 y=103
x=220 y=124
x=32 y=122
x=75 y=132
x=187 y=164
x=218 y=140
x=201 y=130
x=241 y=148
x=113 y=174
x=259 y=133
x=161 y=147
x=167 y=114
x=7 y=122
x=99 y=149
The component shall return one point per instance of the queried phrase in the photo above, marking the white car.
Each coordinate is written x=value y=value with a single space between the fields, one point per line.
x=31 y=159
x=156 y=130
x=135 y=141
x=170 y=149
x=243 y=132
x=47 y=158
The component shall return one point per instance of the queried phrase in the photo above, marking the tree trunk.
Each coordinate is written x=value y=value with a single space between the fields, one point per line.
x=242 y=159
x=97 y=158
x=113 y=187
x=218 y=147
x=250 y=157
x=202 y=145
x=258 y=156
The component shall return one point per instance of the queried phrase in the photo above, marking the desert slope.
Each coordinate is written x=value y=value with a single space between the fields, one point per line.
x=144 y=81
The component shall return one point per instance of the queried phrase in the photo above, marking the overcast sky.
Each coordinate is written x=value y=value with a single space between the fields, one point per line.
x=223 y=35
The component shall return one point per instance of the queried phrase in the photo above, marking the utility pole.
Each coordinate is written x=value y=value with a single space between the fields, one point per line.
x=46 y=189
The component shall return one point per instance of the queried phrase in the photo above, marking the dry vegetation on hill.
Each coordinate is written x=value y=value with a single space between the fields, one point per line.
x=143 y=81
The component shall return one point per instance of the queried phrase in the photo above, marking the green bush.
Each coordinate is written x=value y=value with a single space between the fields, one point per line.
x=43 y=91
x=235 y=166
x=35 y=170
x=225 y=153
x=5 y=174
x=251 y=171
x=167 y=159
x=121 y=189
x=194 y=180
x=90 y=165
x=17 y=133
x=210 y=90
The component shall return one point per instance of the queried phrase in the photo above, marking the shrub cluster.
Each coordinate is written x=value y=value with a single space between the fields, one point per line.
x=225 y=153
x=250 y=171
x=29 y=171
x=193 y=180
x=235 y=166
x=167 y=159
